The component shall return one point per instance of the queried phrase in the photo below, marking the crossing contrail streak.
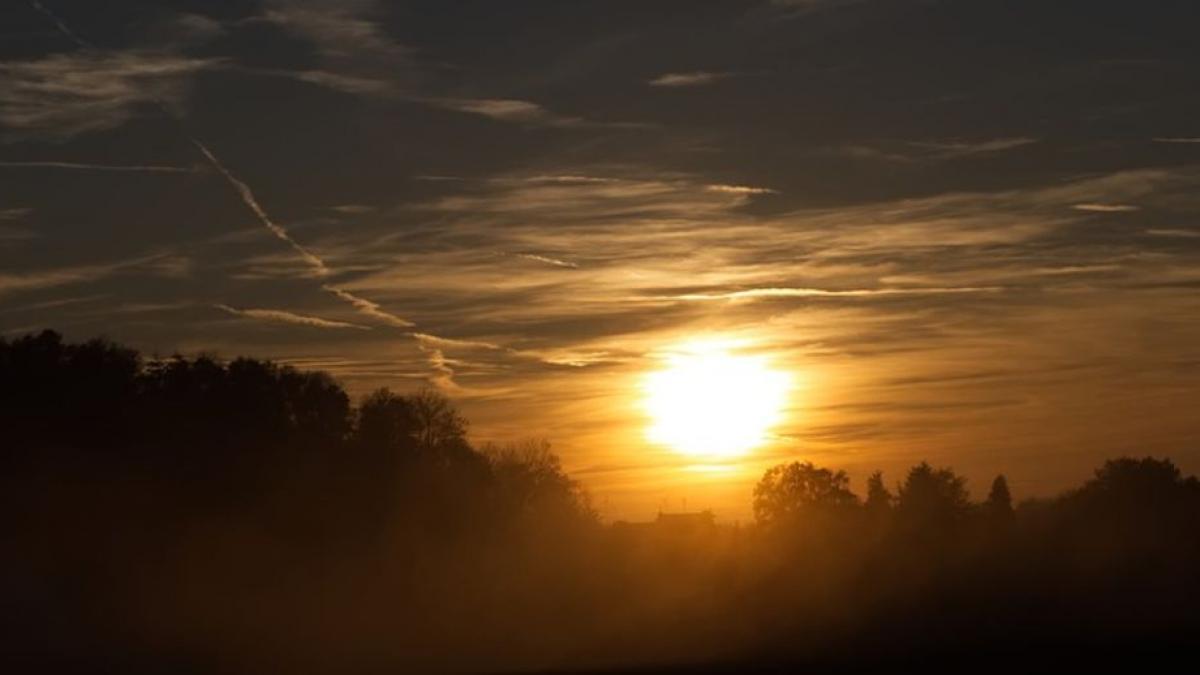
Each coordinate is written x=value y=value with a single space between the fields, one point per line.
x=251 y=202
x=371 y=309
x=362 y=305
x=62 y=27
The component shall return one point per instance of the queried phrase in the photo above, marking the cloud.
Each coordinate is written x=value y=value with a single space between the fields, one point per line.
x=1174 y=232
x=957 y=149
x=58 y=23
x=919 y=151
x=571 y=196
x=15 y=213
x=442 y=375
x=766 y=293
x=368 y=308
x=158 y=264
x=353 y=209
x=1105 y=208
x=517 y=111
x=548 y=260
x=507 y=110
x=859 y=151
x=9 y=234
x=350 y=84
x=356 y=56
x=197 y=27
x=64 y=276
x=437 y=179
x=338 y=32
x=247 y=196
x=64 y=95
x=282 y=316
x=1076 y=269
x=1183 y=140
x=438 y=341
x=739 y=189
x=666 y=252
x=81 y=166
x=692 y=79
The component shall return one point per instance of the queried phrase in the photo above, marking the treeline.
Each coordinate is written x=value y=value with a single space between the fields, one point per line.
x=170 y=492
x=199 y=514
x=212 y=435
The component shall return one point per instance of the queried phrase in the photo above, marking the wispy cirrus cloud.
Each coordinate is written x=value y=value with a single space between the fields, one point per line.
x=359 y=58
x=10 y=283
x=85 y=166
x=353 y=209
x=341 y=32
x=527 y=113
x=355 y=55
x=15 y=213
x=1173 y=232
x=10 y=234
x=739 y=189
x=507 y=110
x=156 y=264
x=695 y=78
x=956 y=149
x=924 y=151
x=64 y=95
x=284 y=316
x=556 y=262
x=1097 y=207
x=784 y=292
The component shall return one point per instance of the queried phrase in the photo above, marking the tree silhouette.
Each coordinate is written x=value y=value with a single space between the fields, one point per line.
x=790 y=490
x=998 y=505
x=1137 y=479
x=1138 y=498
x=932 y=497
x=531 y=484
x=387 y=421
x=879 y=499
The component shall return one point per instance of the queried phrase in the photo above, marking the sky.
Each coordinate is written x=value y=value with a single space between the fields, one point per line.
x=969 y=231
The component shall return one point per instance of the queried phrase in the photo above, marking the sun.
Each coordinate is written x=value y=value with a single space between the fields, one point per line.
x=711 y=402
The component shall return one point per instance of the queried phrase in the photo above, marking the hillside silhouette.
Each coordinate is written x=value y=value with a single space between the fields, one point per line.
x=202 y=515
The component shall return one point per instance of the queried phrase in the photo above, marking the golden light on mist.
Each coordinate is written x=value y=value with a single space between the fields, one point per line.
x=710 y=402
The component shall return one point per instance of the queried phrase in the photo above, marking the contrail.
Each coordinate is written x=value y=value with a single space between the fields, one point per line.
x=62 y=27
x=248 y=199
x=239 y=186
x=284 y=316
x=443 y=373
x=362 y=305
x=369 y=308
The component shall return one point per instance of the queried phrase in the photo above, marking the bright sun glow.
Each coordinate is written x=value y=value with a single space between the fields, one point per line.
x=709 y=402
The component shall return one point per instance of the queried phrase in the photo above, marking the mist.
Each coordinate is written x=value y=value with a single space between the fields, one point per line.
x=207 y=515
